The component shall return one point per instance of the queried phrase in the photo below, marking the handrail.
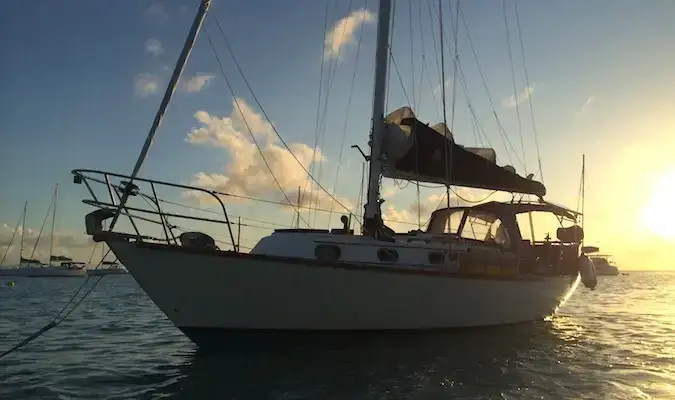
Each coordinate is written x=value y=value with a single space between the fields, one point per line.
x=126 y=189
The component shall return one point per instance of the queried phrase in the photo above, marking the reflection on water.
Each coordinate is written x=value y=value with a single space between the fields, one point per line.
x=615 y=342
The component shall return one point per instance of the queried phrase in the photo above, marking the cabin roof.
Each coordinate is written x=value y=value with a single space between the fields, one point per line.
x=499 y=207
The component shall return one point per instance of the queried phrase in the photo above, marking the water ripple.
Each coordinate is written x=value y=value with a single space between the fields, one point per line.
x=612 y=343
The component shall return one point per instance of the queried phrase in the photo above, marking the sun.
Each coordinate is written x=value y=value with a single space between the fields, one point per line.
x=658 y=214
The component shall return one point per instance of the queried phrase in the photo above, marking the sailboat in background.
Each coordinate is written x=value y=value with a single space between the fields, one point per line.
x=106 y=267
x=470 y=266
x=58 y=265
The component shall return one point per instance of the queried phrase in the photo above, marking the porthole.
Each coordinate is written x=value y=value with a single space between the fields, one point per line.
x=327 y=252
x=387 y=255
x=436 y=257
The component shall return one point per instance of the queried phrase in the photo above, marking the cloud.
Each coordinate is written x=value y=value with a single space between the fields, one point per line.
x=146 y=84
x=157 y=11
x=195 y=83
x=438 y=89
x=246 y=173
x=342 y=32
x=154 y=47
x=513 y=101
x=586 y=107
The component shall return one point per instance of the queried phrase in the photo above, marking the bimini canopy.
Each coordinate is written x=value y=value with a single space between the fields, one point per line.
x=417 y=151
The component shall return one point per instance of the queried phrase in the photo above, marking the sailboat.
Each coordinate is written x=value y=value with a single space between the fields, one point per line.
x=58 y=266
x=445 y=276
x=107 y=267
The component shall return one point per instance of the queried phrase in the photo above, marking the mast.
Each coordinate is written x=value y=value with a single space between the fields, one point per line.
x=23 y=230
x=372 y=218
x=171 y=87
x=51 y=239
x=583 y=187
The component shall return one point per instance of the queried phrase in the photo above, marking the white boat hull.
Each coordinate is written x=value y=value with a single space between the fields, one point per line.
x=43 y=272
x=224 y=290
x=106 y=271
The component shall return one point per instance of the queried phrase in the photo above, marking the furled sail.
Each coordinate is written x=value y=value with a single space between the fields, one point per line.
x=416 y=151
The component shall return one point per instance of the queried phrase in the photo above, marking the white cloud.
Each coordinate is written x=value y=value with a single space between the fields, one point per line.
x=154 y=47
x=157 y=11
x=511 y=102
x=438 y=89
x=246 y=173
x=342 y=32
x=586 y=107
x=195 y=83
x=146 y=84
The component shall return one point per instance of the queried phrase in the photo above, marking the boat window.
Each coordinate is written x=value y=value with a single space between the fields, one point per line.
x=545 y=225
x=485 y=227
x=387 y=255
x=327 y=252
x=445 y=221
x=499 y=234
x=436 y=257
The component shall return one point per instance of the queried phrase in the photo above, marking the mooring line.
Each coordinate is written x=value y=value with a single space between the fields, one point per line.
x=59 y=318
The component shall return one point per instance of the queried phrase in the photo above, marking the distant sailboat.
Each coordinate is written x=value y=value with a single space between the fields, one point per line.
x=107 y=267
x=30 y=267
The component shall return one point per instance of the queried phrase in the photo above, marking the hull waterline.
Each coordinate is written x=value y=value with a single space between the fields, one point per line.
x=207 y=295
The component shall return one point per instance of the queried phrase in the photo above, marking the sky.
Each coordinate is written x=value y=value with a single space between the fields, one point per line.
x=82 y=82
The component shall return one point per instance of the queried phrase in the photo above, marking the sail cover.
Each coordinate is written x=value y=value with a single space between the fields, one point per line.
x=416 y=151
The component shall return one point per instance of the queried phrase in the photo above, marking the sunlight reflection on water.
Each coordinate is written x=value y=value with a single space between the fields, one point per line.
x=612 y=343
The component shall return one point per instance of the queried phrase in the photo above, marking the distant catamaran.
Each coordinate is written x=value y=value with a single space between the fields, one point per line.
x=30 y=267
x=470 y=266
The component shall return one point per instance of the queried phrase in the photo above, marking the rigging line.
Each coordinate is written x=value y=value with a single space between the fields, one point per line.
x=415 y=104
x=236 y=102
x=527 y=82
x=44 y=222
x=58 y=318
x=513 y=80
x=166 y=99
x=349 y=104
x=221 y=213
x=454 y=73
x=262 y=110
x=318 y=101
x=500 y=127
x=419 y=86
x=412 y=53
x=9 y=246
x=445 y=118
x=433 y=41
x=462 y=80
x=414 y=107
x=389 y=49
x=322 y=134
x=400 y=79
x=425 y=68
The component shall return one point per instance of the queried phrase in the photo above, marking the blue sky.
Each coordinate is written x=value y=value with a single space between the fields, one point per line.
x=600 y=72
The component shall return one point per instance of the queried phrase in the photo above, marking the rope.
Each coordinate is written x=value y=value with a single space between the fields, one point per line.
x=267 y=118
x=344 y=131
x=255 y=141
x=59 y=317
x=527 y=82
x=513 y=80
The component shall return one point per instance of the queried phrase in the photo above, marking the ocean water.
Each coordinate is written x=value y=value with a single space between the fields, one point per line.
x=617 y=342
